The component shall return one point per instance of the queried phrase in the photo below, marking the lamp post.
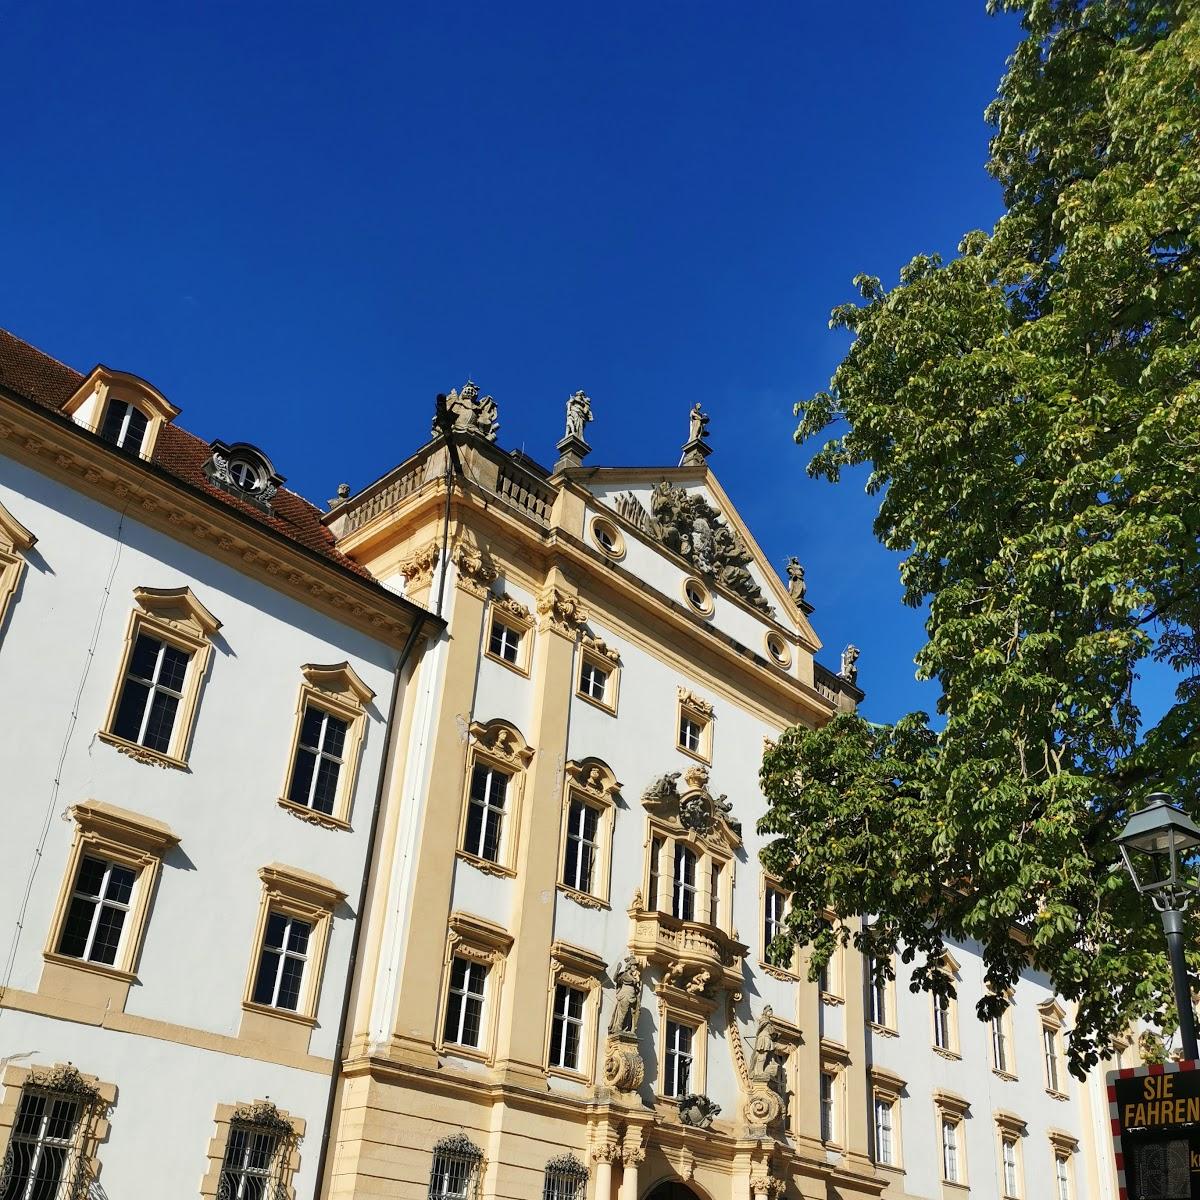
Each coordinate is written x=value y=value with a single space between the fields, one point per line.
x=1159 y=845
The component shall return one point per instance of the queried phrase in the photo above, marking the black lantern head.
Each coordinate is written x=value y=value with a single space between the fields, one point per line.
x=1159 y=847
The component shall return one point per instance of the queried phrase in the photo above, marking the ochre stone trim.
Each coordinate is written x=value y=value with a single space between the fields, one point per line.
x=473 y=937
x=15 y=542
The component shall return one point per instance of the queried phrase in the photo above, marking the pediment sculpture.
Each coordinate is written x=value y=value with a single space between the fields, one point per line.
x=468 y=412
x=694 y=807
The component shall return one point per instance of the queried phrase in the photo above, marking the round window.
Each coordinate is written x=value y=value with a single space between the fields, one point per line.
x=245 y=474
x=608 y=537
x=698 y=596
x=777 y=648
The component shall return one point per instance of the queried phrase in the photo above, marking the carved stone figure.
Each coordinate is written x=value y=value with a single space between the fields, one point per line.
x=697 y=1110
x=627 y=975
x=849 y=671
x=797 y=587
x=762 y=1054
x=662 y=788
x=579 y=413
x=466 y=412
x=698 y=424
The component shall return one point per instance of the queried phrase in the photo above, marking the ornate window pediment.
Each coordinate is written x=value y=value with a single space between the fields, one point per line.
x=244 y=471
x=694 y=809
x=502 y=741
x=15 y=541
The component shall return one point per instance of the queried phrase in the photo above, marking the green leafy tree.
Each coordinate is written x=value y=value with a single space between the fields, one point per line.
x=1030 y=413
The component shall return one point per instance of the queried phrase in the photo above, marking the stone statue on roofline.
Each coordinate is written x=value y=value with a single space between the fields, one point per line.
x=467 y=412
x=849 y=670
x=797 y=586
x=579 y=413
x=698 y=424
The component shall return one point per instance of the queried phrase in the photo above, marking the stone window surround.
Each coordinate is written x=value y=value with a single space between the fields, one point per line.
x=892 y=1027
x=174 y=616
x=592 y=781
x=618 y=549
x=581 y=969
x=701 y=711
x=1010 y=1128
x=223 y=1120
x=1064 y=1146
x=600 y=654
x=482 y=941
x=89 y=405
x=519 y=618
x=15 y=542
x=1053 y=1017
x=500 y=745
x=788 y=974
x=133 y=841
x=951 y=1108
x=694 y=582
x=834 y=1059
x=335 y=689
x=706 y=857
x=1008 y=1072
x=291 y=892
x=953 y=1051
x=694 y=1012
x=889 y=1087
x=12 y=1085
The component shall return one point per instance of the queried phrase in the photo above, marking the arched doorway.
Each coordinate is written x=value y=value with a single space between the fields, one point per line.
x=671 y=1189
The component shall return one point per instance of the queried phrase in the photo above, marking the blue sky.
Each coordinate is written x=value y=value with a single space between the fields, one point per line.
x=302 y=221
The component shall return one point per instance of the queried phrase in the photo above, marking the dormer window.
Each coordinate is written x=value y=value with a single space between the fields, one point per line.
x=125 y=426
x=243 y=470
x=122 y=409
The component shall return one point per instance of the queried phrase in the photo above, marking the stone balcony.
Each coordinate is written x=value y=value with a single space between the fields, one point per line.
x=693 y=956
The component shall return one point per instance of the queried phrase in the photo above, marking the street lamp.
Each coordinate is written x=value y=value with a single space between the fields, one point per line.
x=1158 y=845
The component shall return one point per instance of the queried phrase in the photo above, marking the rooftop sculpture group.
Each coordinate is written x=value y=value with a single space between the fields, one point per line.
x=468 y=412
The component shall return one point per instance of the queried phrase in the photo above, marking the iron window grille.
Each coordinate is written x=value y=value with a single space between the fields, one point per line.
x=457 y=1167
x=46 y=1154
x=258 y=1155
x=565 y=1179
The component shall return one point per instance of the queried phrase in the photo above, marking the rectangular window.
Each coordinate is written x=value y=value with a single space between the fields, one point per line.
x=485 y=813
x=1050 y=1048
x=151 y=693
x=1008 y=1154
x=950 y=1166
x=1062 y=1177
x=579 y=858
x=827 y=1109
x=593 y=681
x=1000 y=1058
x=774 y=906
x=319 y=757
x=683 y=901
x=566 y=1030
x=879 y=997
x=691 y=734
x=885 y=1150
x=124 y=426
x=464 y=1007
x=942 y=1034
x=39 y=1157
x=656 y=849
x=100 y=902
x=677 y=1068
x=714 y=895
x=504 y=642
x=281 y=962
x=246 y=1172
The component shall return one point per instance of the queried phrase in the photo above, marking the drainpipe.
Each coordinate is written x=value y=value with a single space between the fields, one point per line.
x=360 y=922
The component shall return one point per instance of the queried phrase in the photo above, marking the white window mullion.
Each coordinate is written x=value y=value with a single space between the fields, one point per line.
x=151 y=692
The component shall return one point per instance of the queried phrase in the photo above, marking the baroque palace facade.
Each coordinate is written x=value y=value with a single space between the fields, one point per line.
x=417 y=840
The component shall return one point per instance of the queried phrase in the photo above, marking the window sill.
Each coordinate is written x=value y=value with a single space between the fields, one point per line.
x=883 y=1031
x=92 y=968
x=952 y=1056
x=1055 y=1095
x=1007 y=1075
x=832 y=998
x=142 y=754
x=578 y=1077
x=583 y=899
x=282 y=1014
x=891 y=1168
x=775 y=972
x=515 y=667
x=706 y=759
x=952 y=1187
x=485 y=865
x=602 y=705
x=456 y=1050
x=312 y=816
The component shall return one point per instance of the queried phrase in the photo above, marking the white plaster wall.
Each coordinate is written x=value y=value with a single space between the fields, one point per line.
x=64 y=639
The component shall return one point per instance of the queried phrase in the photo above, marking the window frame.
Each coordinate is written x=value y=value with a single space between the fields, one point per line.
x=518 y=619
x=888 y=1088
x=834 y=1059
x=131 y=840
x=90 y=403
x=889 y=1027
x=592 y=782
x=497 y=746
x=480 y=941
x=952 y=1110
x=297 y=894
x=337 y=690
x=668 y=836
x=706 y=606
x=1004 y=1024
x=600 y=656
x=768 y=884
x=574 y=967
x=176 y=618
x=1063 y=1148
x=693 y=708
x=1052 y=1017
x=1010 y=1131
x=226 y=1117
x=698 y=1058
x=15 y=543
x=61 y=1079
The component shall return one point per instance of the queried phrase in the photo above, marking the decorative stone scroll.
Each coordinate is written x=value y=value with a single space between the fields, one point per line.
x=561 y=611
x=475 y=572
x=418 y=565
x=689 y=699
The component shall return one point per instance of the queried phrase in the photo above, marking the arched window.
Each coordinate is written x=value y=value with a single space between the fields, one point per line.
x=457 y=1166
x=566 y=1179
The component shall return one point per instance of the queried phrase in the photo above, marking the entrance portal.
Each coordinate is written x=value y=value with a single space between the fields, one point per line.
x=671 y=1189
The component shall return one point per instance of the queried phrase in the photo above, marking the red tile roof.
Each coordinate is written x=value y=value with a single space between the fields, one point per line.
x=27 y=372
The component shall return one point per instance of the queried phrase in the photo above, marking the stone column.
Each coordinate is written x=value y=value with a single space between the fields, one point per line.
x=631 y=1156
x=603 y=1157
